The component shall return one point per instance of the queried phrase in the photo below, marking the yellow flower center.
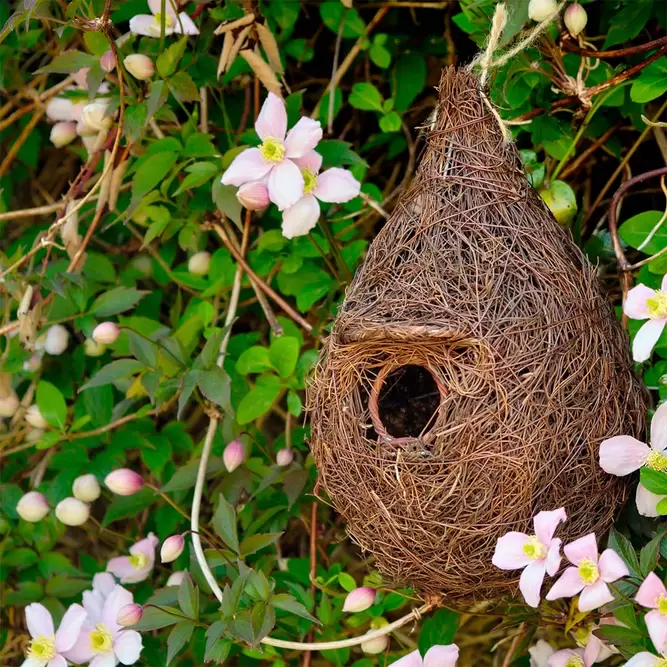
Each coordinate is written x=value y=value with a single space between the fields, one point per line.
x=309 y=181
x=534 y=549
x=42 y=648
x=661 y=663
x=657 y=305
x=661 y=605
x=100 y=639
x=656 y=461
x=582 y=635
x=588 y=571
x=139 y=561
x=574 y=661
x=272 y=150
x=168 y=21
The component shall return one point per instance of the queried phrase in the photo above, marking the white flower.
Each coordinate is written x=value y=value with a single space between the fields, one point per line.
x=175 y=22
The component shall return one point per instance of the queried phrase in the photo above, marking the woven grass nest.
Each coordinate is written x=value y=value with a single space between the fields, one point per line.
x=472 y=371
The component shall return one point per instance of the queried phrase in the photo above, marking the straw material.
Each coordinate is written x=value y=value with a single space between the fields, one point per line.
x=473 y=369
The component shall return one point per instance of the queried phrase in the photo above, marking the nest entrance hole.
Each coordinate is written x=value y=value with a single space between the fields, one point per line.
x=408 y=401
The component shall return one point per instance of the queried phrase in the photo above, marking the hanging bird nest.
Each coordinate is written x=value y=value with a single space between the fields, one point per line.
x=473 y=370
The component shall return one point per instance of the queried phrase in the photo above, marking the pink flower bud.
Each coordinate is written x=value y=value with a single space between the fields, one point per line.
x=72 y=512
x=106 y=333
x=9 y=404
x=34 y=417
x=253 y=196
x=33 y=364
x=199 y=263
x=176 y=579
x=172 y=548
x=93 y=349
x=360 y=599
x=94 y=118
x=139 y=66
x=130 y=614
x=284 y=456
x=32 y=507
x=107 y=61
x=62 y=134
x=57 y=339
x=233 y=455
x=86 y=488
x=376 y=645
x=575 y=19
x=60 y=109
x=124 y=482
x=539 y=10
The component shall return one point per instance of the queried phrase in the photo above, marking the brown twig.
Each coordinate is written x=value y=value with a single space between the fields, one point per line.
x=614 y=53
x=514 y=644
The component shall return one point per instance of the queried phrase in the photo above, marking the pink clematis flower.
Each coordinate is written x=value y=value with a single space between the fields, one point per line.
x=274 y=160
x=150 y=25
x=538 y=554
x=653 y=594
x=436 y=656
x=646 y=659
x=568 y=658
x=47 y=646
x=103 y=642
x=595 y=650
x=93 y=600
x=590 y=575
x=644 y=303
x=138 y=565
x=332 y=186
x=623 y=454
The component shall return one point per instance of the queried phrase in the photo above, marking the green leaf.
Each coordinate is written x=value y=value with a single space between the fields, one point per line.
x=623 y=547
x=284 y=353
x=51 y=404
x=199 y=144
x=390 y=122
x=254 y=543
x=217 y=648
x=198 y=174
x=158 y=93
x=408 y=81
x=561 y=200
x=96 y=43
x=185 y=477
x=635 y=230
x=113 y=371
x=255 y=359
x=134 y=120
x=150 y=173
x=188 y=598
x=347 y=582
x=122 y=507
x=378 y=51
x=117 y=300
x=333 y=13
x=69 y=61
x=366 y=96
x=439 y=628
x=168 y=60
x=654 y=480
x=224 y=524
x=54 y=563
x=291 y=605
x=628 y=23
x=20 y=558
x=155 y=618
x=188 y=384
x=259 y=399
x=648 y=556
x=336 y=153
x=294 y=403
x=651 y=83
x=215 y=385
x=183 y=88
x=178 y=638
x=61 y=586
x=224 y=197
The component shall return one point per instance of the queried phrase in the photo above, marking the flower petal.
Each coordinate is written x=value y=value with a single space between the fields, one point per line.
x=646 y=338
x=246 y=166
x=81 y=652
x=121 y=567
x=509 y=553
x=561 y=658
x=70 y=627
x=553 y=557
x=144 y=24
x=442 y=655
x=285 y=184
x=104 y=583
x=594 y=648
x=568 y=585
x=635 y=306
x=104 y=660
x=146 y=547
x=612 y=566
x=659 y=429
x=584 y=547
x=622 y=455
x=303 y=137
x=39 y=620
x=540 y=653
x=127 y=647
x=299 y=219
x=272 y=118
x=311 y=161
x=184 y=25
x=32 y=662
x=57 y=661
x=546 y=523
x=595 y=596
x=170 y=8
x=647 y=502
x=643 y=659
x=531 y=582
x=413 y=659
x=657 y=629
x=119 y=598
x=93 y=603
x=336 y=186
x=650 y=590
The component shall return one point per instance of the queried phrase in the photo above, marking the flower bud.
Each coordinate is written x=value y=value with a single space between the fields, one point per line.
x=32 y=507
x=376 y=645
x=63 y=133
x=93 y=349
x=176 y=579
x=107 y=61
x=86 y=488
x=130 y=614
x=34 y=435
x=143 y=264
x=60 y=109
x=575 y=19
x=35 y=418
x=233 y=455
x=539 y=10
x=9 y=404
x=94 y=119
x=360 y=599
x=33 y=364
x=172 y=548
x=106 y=333
x=124 y=482
x=57 y=339
x=199 y=263
x=72 y=512
x=284 y=456
x=139 y=66
x=253 y=196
